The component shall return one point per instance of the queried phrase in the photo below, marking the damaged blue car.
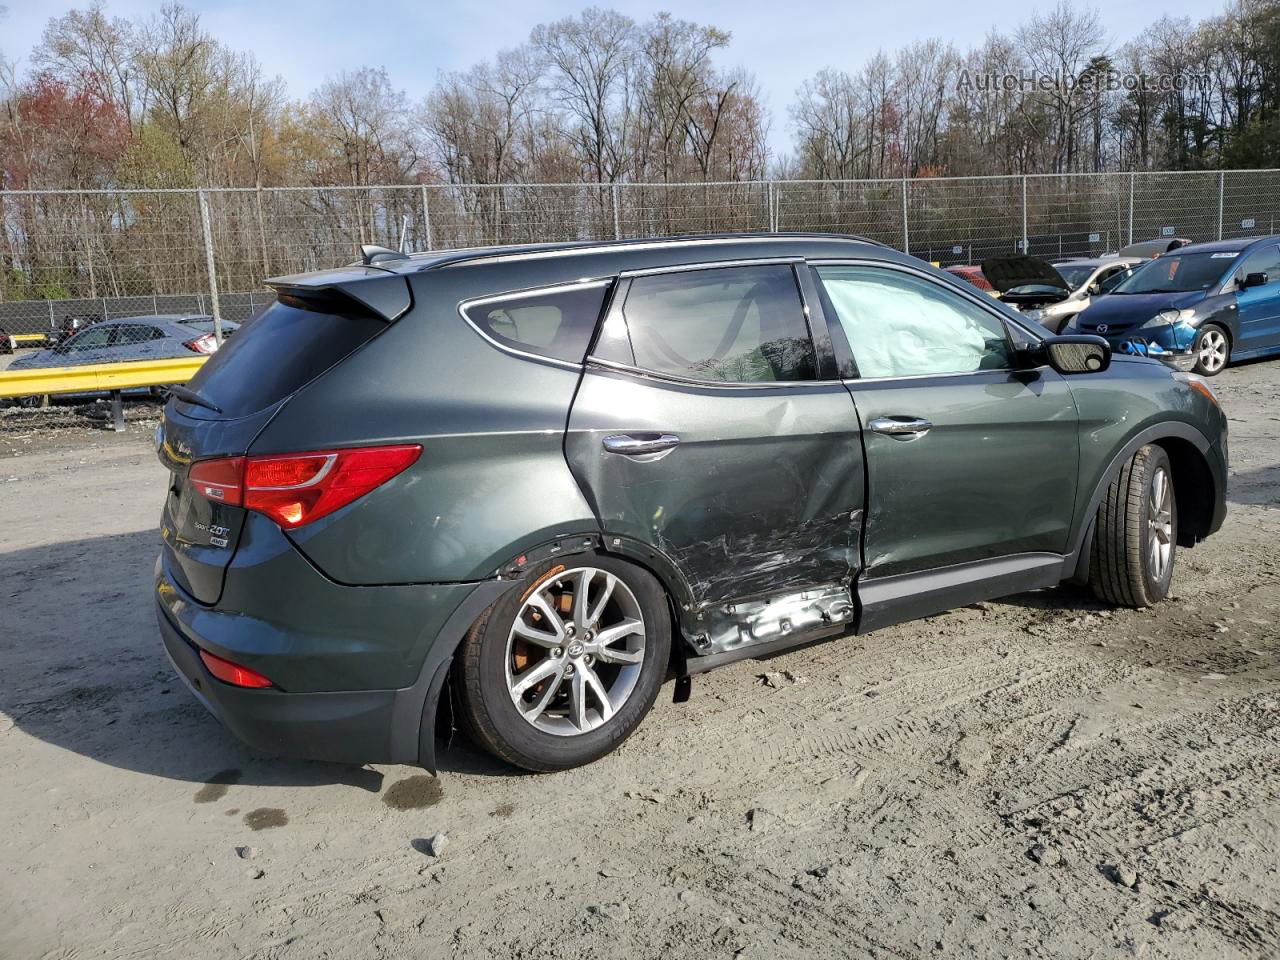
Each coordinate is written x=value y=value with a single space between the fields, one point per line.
x=1198 y=308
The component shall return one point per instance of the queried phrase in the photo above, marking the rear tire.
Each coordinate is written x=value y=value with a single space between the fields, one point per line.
x=1212 y=349
x=1135 y=533
x=547 y=684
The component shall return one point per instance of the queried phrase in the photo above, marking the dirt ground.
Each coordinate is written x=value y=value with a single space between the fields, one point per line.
x=1040 y=776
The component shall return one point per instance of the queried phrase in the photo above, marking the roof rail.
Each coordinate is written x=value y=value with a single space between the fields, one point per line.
x=447 y=258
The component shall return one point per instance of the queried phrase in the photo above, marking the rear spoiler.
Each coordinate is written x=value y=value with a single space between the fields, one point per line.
x=384 y=294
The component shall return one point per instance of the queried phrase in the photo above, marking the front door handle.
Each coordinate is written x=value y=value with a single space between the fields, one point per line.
x=902 y=428
x=634 y=445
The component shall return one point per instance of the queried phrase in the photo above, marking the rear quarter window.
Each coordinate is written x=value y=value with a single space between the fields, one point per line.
x=556 y=322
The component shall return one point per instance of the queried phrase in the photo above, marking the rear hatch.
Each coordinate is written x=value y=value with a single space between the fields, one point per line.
x=217 y=416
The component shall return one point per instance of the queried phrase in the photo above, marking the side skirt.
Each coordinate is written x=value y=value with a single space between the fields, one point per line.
x=889 y=600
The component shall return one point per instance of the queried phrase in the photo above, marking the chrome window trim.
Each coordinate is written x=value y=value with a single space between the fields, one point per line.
x=714 y=265
x=1005 y=371
x=594 y=361
x=524 y=294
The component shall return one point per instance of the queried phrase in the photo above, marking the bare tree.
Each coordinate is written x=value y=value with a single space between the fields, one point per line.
x=592 y=59
x=1059 y=45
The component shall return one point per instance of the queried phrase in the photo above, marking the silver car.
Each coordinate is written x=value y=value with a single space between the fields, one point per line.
x=163 y=337
x=1086 y=279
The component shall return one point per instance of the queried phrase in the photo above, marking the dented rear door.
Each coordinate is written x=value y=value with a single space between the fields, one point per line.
x=752 y=488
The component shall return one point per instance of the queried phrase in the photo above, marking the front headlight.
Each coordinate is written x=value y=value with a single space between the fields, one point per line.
x=1034 y=313
x=1167 y=318
x=1199 y=384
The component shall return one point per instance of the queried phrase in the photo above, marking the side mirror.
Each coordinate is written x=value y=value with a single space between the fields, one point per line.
x=1077 y=353
x=1254 y=280
x=1094 y=289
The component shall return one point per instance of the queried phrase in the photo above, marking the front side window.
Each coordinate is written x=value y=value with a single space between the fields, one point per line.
x=1115 y=278
x=727 y=324
x=1266 y=260
x=556 y=323
x=899 y=325
x=1075 y=274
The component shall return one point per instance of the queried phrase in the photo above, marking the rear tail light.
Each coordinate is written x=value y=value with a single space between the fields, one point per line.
x=233 y=673
x=205 y=344
x=300 y=488
x=221 y=480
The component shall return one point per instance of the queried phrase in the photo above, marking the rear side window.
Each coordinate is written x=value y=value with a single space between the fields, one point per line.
x=283 y=349
x=127 y=333
x=730 y=324
x=556 y=322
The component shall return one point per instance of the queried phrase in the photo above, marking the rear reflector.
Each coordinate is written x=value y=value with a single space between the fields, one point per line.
x=300 y=488
x=233 y=673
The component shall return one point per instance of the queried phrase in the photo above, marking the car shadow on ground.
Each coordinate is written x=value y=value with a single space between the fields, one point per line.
x=1259 y=487
x=82 y=668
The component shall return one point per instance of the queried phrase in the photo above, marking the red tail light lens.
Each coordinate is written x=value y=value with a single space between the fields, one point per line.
x=297 y=489
x=233 y=673
x=205 y=344
x=220 y=480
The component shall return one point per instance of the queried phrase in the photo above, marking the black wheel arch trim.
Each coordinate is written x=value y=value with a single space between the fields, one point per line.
x=1077 y=559
x=413 y=738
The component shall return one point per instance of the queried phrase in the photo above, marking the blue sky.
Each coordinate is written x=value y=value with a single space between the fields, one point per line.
x=781 y=42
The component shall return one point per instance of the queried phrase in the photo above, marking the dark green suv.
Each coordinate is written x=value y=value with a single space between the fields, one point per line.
x=530 y=483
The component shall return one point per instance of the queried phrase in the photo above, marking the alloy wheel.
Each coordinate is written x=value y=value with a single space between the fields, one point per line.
x=1213 y=351
x=575 y=651
x=1160 y=525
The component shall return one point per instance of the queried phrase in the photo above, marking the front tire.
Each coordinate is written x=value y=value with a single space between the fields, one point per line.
x=1212 y=349
x=563 y=668
x=1135 y=534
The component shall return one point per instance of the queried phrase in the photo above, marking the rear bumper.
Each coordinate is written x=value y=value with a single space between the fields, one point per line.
x=324 y=645
x=351 y=726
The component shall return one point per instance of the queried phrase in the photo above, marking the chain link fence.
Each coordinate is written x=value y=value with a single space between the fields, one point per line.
x=71 y=259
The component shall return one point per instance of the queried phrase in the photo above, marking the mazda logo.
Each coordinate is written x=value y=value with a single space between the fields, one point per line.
x=1103 y=328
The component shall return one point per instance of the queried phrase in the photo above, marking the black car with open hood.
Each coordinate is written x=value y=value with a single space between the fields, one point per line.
x=1025 y=281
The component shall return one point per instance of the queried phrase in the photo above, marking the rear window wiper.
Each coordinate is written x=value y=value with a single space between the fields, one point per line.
x=190 y=396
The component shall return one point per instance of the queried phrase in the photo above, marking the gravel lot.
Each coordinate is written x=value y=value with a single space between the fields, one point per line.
x=1040 y=776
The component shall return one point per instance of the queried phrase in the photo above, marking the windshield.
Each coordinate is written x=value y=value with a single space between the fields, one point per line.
x=1036 y=289
x=1074 y=274
x=1178 y=273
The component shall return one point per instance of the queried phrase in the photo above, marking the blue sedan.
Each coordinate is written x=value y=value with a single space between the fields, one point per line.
x=1197 y=308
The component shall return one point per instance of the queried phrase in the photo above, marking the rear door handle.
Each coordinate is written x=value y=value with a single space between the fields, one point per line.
x=902 y=428
x=634 y=445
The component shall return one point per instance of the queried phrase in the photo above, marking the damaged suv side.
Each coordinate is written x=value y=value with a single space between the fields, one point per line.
x=530 y=483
